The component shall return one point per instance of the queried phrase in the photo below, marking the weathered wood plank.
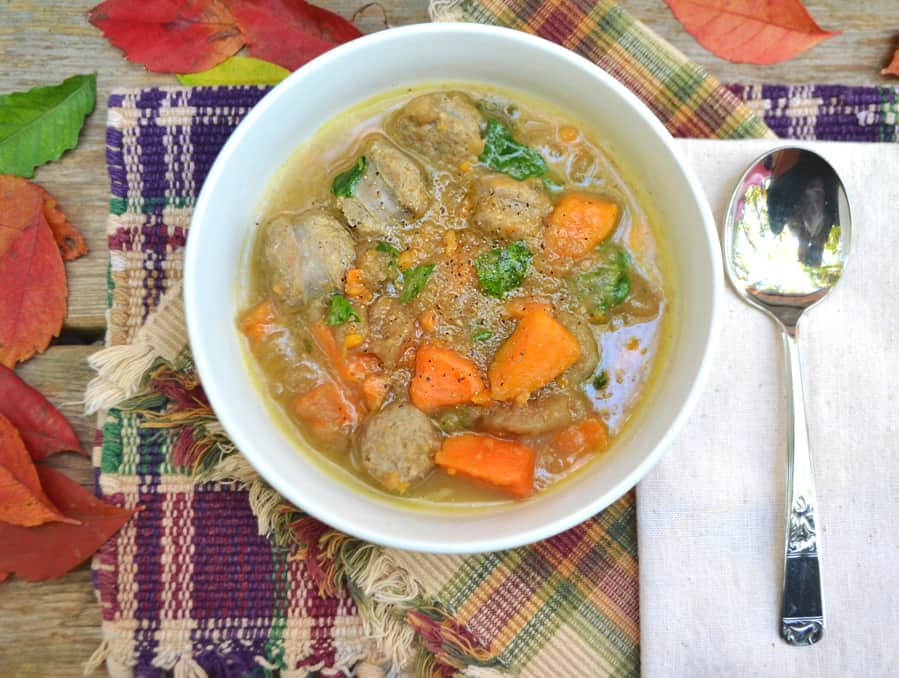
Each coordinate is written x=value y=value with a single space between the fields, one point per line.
x=48 y=629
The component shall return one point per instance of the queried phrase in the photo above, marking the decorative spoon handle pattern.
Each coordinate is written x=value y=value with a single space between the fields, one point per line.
x=802 y=604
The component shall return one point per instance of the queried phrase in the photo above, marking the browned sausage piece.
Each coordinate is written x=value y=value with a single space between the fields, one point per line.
x=306 y=255
x=393 y=190
x=538 y=415
x=397 y=446
x=510 y=209
x=586 y=365
x=391 y=325
x=444 y=127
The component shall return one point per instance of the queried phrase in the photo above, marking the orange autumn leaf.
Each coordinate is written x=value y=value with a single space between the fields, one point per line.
x=52 y=549
x=170 y=36
x=750 y=31
x=893 y=67
x=20 y=506
x=22 y=501
x=32 y=292
x=68 y=238
x=20 y=206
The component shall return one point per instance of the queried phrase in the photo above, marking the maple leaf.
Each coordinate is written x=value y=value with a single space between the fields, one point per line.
x=893 y=67
x=750 y=31
x=32 y=292
x=42 y=427
x=170 y=36
x=52 y=549
x=290 y=32
x=22 y=501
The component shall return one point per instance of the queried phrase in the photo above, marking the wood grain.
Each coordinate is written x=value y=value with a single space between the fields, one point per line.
x=51 y=629
x=48 y=629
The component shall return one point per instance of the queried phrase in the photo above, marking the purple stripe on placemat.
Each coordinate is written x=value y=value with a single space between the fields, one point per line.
x=229 y=549
x=118 y=178
x=214 y=123
x=825 y=112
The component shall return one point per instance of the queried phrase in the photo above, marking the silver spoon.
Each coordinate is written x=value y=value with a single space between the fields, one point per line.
x=786 y=240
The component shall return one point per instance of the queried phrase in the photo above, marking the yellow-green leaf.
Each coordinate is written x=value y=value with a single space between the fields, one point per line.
x=238 y=70
x=39 y=125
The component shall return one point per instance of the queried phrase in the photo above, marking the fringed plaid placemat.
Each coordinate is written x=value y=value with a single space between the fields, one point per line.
x=190 y=585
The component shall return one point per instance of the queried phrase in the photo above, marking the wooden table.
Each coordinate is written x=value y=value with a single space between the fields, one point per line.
x=52 y=628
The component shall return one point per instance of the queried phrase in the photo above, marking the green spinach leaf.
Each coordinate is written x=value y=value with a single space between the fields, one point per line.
x=601 y=380
x=552 y=185
x=502 y=269
x=387 y=249
x=481 y=334
x=608 y=284
x=504 y=154
x=341 y=311
x=344 y=184
x=392 y=253
x=414 y=281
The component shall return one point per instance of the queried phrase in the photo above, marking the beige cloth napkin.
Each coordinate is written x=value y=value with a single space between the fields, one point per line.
x=711 y=514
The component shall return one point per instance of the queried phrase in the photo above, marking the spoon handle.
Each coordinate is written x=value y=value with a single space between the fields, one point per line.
x=802 y=605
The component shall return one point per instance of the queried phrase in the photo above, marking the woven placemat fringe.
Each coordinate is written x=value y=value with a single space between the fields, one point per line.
x=446 y=10
x=121 y=369
x=96 y=660
x=187 y=667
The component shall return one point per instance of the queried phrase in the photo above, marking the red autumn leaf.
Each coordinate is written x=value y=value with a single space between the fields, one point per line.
x=51 y=550
x=290 y=32
x=170 y=36
x=32 y=293
x=43 y=428
x=893 y=67
x=20 y=206
x=750 y=31
x=22 y=501
x=68 y=238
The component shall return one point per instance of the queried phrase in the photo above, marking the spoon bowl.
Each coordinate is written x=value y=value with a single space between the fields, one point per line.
x=786 y=242
x=787 y=233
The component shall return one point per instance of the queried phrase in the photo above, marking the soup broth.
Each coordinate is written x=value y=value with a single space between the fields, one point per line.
x=454 y=295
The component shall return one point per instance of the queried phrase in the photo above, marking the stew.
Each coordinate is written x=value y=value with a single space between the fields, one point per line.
x=454 y=295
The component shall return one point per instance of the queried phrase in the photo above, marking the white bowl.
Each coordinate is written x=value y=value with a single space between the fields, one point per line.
x=225 y=215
